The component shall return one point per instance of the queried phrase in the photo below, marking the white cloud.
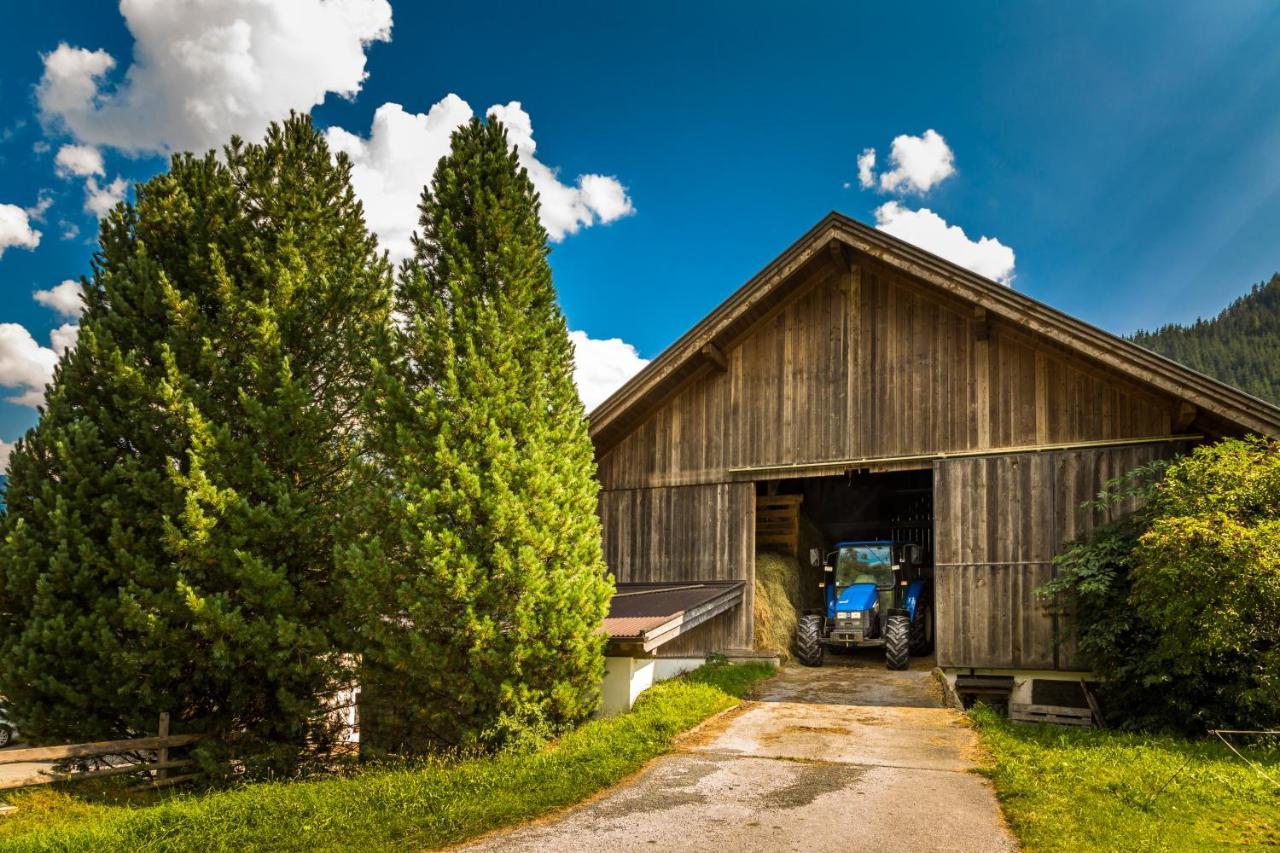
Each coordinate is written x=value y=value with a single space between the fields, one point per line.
x=205 y=69
x=919 y=164
x=100 y=199
x=6 y=450
x=399 y=157
x=70 y=230
x=565 y=208
x=15 y=229
x=602 y=366
x=79 y=161
x=24 y=364
x=987 y=256
x=64 y=338
x=867 y=168
x=390 y=168
x=41 y=207
x=66 y=298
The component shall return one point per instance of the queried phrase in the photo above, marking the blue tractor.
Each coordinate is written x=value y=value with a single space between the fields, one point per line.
x=876 y=595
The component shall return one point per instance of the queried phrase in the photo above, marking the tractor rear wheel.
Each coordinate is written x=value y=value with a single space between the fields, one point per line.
x=809 y=640
x=897 y=641
x=922 y=631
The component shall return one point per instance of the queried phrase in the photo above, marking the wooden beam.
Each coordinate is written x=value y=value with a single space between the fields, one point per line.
x=715 y=355
x=835 y=466
x=982 y=323
x=88 y=750
x=841 y=255
x=1186 y=415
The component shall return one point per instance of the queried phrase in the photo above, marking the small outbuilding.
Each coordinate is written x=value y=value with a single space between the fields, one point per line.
x=883 y=391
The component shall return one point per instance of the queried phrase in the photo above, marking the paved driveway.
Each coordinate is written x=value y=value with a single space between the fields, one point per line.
x=846 y=757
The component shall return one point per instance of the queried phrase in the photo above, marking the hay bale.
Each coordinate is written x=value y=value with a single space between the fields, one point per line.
x=777 y=602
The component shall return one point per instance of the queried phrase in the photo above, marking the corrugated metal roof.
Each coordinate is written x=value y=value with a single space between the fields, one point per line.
x=650 y=614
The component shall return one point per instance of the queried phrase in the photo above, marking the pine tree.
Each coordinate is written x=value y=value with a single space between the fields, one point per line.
x=1240 y=346
x=170 y=536
x=479 y=597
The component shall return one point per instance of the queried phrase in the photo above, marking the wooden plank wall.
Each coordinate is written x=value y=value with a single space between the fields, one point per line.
x=867 y=364
x=860 y=362
x=999 y=521
x=686 y=533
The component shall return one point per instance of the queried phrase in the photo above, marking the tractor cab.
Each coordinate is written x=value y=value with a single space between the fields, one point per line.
x=875 y=595
x=860 y=588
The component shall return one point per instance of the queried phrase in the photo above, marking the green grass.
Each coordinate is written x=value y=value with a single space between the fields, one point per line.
x=428 y=805
x=1084 y=790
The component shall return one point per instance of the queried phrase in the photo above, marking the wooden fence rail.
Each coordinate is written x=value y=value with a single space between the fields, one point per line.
x=159 y=766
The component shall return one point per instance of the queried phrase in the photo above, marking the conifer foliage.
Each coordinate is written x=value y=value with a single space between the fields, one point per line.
x=477 y=597
x=169 y=541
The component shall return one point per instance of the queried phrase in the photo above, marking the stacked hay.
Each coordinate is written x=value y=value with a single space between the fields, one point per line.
x=777 y=602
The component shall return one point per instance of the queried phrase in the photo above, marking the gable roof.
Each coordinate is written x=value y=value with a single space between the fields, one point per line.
x=616 y=415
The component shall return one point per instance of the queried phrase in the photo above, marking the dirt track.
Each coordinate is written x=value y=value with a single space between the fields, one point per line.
x=849 y=756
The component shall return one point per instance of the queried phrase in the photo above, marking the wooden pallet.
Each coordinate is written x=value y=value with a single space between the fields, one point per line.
x=1059 y=715
x=778 y=523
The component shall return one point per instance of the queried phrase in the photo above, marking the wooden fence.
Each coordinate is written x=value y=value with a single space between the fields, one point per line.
x=128 y=750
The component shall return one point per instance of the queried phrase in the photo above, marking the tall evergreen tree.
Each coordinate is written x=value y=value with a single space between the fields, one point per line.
x=169 y=539
x=480 y=594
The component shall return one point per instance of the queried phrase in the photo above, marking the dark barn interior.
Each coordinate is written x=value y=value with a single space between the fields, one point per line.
x=858 y=506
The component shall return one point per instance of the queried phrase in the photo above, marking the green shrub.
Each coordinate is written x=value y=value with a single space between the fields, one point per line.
x=1177 y=604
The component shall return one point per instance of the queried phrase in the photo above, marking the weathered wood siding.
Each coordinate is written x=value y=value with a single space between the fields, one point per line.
x=686 y=533
x=859 y=363
x=998 y=523
x=867 y=364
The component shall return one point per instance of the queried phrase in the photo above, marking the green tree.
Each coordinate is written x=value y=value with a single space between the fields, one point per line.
x=1177 y=605
x=478 y=596
x=1240 y=346
x=170 y=534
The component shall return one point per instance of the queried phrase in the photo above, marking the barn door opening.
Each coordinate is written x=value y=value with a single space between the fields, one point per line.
x=795 y=516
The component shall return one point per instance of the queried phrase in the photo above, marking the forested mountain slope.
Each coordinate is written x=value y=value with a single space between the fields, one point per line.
x=1241 y=346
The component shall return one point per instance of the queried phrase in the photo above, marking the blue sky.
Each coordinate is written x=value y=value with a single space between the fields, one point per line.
x=1127 y=154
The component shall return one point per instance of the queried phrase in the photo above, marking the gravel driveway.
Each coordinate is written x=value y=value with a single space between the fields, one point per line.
x=849 y=757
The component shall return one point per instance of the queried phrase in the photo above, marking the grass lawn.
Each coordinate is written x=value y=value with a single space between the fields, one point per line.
x=1083 y=790
x=428 y=805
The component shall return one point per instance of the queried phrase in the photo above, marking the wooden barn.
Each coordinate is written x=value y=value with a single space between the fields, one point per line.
x=880 y=390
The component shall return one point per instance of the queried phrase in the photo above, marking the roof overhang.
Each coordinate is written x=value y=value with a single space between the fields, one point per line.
x=644 y=616
x=839 y=239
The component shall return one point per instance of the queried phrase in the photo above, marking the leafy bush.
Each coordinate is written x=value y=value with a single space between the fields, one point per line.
x=1177 y=605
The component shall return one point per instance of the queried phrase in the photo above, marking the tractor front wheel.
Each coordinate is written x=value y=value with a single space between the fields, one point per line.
x=897 y=641
x=809 y=640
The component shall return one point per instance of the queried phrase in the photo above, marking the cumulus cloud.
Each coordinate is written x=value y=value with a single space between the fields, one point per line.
x=25 y=365
x=986 y=256
x=6 y=450
x=391 y=166
x=919 y=163
x=565 y=207
x=66 y=298
x=100 y=199
x=64 y=338
x=205 y=69
x=15 y=228
x=602 y=366
x=867 y=168
x=79 y=161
